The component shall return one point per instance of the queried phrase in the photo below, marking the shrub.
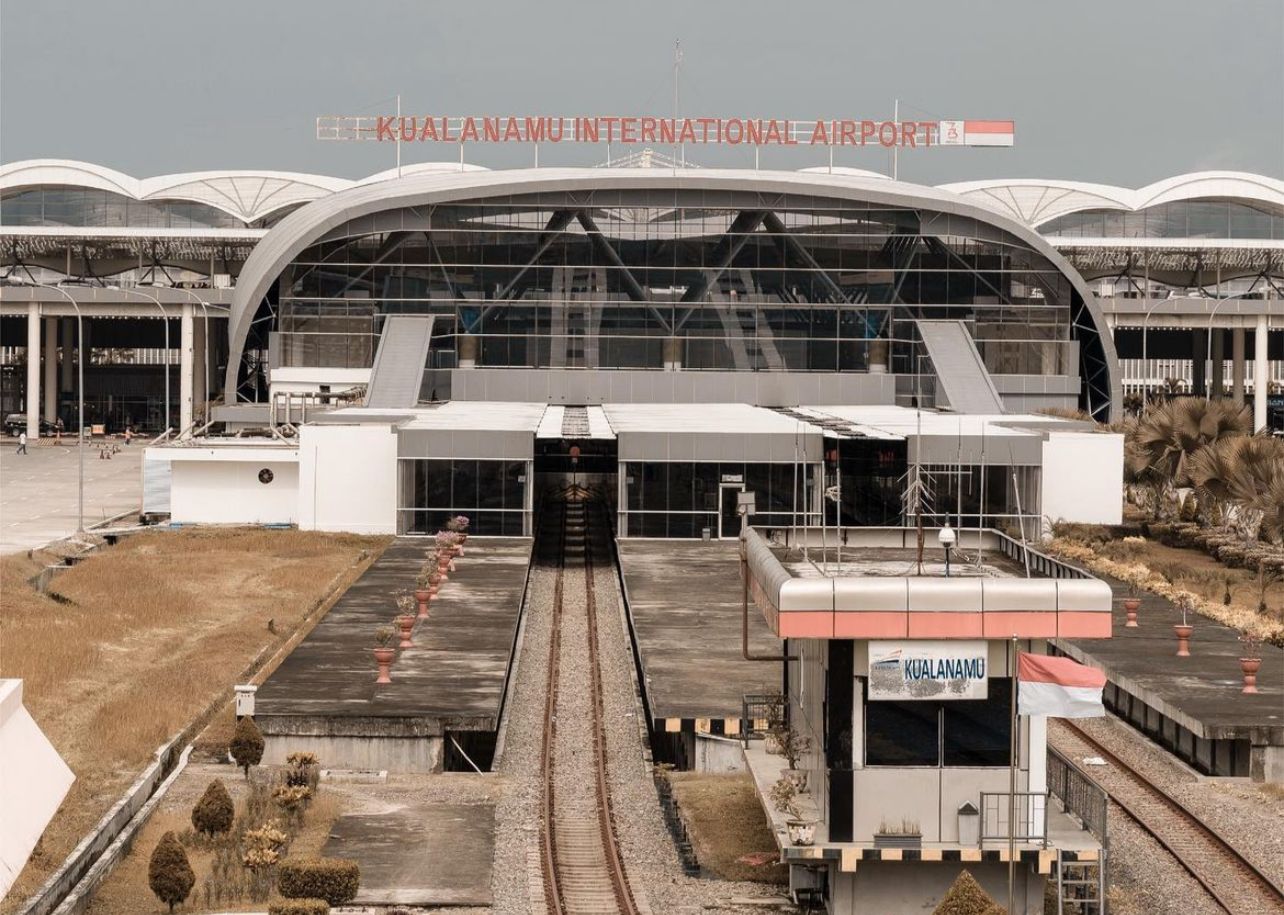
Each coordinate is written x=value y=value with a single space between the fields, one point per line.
x=247 y=744
x=299 y=907
x=169 y=874
x=336 y=880
x=214 y=812
x=966 y=897
x=304 y=770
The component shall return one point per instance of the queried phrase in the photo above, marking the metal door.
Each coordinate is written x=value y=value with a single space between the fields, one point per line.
x=728 y=517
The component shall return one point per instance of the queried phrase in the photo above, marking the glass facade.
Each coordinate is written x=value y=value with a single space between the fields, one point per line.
x=491 y=493
x=1179 y=219
x=78 y=206
x=680 y=499
x=958 y=733
x=619 y=279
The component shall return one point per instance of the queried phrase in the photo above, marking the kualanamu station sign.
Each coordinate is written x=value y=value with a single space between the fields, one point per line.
x=660 y=131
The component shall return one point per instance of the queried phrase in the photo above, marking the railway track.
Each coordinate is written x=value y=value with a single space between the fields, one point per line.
x=1233 y=882
x=581 y=864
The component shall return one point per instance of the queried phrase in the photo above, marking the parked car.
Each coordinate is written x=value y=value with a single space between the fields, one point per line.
x=16 y=423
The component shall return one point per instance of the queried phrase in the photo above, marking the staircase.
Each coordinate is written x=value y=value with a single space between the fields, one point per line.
x=399 y=362
x=960 y=372
x=1081 y=886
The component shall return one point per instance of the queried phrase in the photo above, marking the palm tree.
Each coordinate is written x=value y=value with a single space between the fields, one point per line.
x=1171 y=433
x=1244 y=476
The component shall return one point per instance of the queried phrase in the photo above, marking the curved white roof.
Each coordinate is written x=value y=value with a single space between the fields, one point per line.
x=1035 y=201
x=250 y=195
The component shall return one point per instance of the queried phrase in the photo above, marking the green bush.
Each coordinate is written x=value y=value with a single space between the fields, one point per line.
x=299 y=907
x=336 y=880
x=169 y=874
x=247 y=744
x=214 y=812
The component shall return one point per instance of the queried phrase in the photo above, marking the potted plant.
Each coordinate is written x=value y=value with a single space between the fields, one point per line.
x=784 y=798
x=434 y=581
x=1251 y=662
x=405 y=618
x=445 y=541
x=424 y=590
x=905 y=835
x=792 y=747
x=458 y=525
x=1132 y=603
x=1183 y=629
x=384 y=652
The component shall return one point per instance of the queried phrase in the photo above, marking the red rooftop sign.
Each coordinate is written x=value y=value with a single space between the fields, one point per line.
x=658 y=131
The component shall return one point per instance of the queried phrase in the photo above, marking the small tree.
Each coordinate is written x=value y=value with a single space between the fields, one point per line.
x=214 y=812
x=967 y=897
x=247 y=744
x=169 y=874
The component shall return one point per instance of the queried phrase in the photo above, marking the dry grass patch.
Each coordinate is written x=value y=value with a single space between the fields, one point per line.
x=141 y=639
x=725 y=821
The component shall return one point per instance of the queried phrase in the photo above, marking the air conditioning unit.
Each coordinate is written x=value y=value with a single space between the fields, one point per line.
x=222 y=281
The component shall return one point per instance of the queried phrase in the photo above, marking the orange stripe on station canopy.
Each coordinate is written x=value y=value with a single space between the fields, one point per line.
x=806 y=624
x=1038 y=668
x=989 y=127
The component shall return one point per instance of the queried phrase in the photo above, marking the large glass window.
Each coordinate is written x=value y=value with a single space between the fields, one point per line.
x=680 y=499
x=726 y=282
x=959 y=733
x=491 y=493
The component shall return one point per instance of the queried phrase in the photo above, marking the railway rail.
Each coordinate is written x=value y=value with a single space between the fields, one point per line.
x=582 y=868
x=1233 y=882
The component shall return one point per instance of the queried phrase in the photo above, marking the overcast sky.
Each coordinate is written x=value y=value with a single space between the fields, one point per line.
x=1116 y=91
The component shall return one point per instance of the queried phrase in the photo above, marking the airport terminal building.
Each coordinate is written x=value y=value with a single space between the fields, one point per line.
x=371 y=355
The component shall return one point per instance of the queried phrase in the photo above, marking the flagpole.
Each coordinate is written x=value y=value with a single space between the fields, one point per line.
x=1012 y=779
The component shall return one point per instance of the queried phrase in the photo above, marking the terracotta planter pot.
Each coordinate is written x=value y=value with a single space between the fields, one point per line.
x=1183 y=639
x=407 y=626
x=801 y=832
x=422 y=596
x=1249 y=667
x=443 y=566
x=1130 y=607
x=383 y=657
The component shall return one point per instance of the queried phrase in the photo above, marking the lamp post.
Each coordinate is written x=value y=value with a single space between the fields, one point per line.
x=165 y=320
x=947 y=538
x=80 y=400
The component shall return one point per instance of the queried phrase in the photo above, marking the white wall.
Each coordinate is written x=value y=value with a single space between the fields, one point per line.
x=309 y=379
x=348 y=478
x=1083 y=477
x=33 y=782
x=229 y=491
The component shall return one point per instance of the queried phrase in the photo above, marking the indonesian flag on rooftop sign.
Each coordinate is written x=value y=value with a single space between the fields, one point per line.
x=976 y=133
x=1058 y=687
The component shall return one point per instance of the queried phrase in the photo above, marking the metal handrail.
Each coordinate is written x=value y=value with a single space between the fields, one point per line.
x=1079 y=795
x=1031 y=813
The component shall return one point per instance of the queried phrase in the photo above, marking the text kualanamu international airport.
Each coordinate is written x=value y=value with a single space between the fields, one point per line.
x=660 y=131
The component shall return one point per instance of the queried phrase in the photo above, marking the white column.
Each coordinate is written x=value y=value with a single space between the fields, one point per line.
x=1260 y=385
x=185 y=362
x=1237 y=365
x=51 y=369
x=33 y=370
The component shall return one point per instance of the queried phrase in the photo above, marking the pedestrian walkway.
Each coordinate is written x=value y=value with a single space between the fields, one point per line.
x=38 y=490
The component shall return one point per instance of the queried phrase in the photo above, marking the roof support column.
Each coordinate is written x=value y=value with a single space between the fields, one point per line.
x=186 y=378
x=1218 y=367
x=1260 y=363
x=1237 y=365
x=33 y=371
x=1199 y=362
x=51 y=369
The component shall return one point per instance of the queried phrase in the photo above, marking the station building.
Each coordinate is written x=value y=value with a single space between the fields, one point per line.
x=453 y=333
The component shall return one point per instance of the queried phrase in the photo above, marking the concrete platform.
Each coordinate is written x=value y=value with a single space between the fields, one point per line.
x=430 y=855
x=685 y=599
x=324 y=698
x=1192 y=705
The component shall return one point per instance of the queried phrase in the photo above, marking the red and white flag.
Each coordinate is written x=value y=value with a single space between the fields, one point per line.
x=1058 y=687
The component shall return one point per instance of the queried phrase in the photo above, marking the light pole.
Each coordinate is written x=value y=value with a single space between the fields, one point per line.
x=1145 y=326
x=1208 y=383
x=80 y=399
x=165 y=320
x=946 y=537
